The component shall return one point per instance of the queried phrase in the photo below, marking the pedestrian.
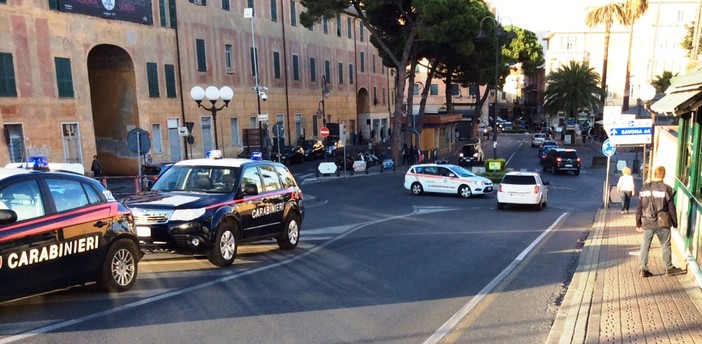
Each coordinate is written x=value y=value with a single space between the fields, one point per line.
x=95 y=167
x=625 y=185
x=405 y=155
x=360 y=137
x=149 y=160
x=413 y=155
x=655 y=214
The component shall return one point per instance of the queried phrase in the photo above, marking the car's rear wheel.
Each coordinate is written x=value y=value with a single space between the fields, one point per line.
x=417 y=188
x=119 y=270
x=539 y=206
x=577 y=172
x=225 y=245
x=500 y=205
x=291 y=233
x=464 y=191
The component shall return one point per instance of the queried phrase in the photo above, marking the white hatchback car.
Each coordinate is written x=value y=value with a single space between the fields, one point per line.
x=446 y=178
x=537 y=139
x=522 y=188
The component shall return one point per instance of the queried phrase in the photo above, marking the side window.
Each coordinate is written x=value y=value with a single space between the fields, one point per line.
x=443 y=171
x=67 y=194
x=270 y=178
x=24 y=198
x=92 y=194
x=430 y=170
x=286 y=177
x=251 y=176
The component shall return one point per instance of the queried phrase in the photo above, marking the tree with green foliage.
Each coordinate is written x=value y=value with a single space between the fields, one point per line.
x=572 y=88
x=605 y=14
x=662 y=81
x=689 y=39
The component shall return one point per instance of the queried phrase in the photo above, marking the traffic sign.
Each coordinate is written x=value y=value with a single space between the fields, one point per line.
x=138 y=141
x=278 y=130
x=636 y=131
x=324 y=132
x=262 y=117
x=607 y=148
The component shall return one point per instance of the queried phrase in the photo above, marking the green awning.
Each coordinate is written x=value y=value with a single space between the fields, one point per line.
x=675 y=103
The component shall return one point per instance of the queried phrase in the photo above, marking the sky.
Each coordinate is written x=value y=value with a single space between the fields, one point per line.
x=543 y=15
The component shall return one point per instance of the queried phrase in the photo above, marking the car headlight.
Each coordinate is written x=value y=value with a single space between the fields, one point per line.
x=460 y=155
x=187 y=214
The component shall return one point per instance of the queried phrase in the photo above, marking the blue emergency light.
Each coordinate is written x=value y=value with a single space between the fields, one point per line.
x=213 y=154
x=256 y=156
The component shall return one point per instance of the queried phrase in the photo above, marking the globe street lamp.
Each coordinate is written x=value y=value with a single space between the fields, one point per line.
x=325 y=94
x=212 y=94
x=646 y=93
x=499 y=33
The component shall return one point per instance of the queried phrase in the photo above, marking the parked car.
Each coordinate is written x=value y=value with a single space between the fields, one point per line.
x=289 y=155
x=537 y=139
x=522 y=188
x=62 y=229
x=547 y=143
x=151 y=172
x=211 y=206
x=445 y=178
x=562 y=160
x=471 y=153
x=314 y=149
x=333 y=146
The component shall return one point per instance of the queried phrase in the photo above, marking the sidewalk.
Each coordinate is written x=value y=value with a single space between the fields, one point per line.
x=607 y=301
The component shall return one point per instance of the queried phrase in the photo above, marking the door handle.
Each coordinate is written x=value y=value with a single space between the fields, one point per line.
x=100 y=224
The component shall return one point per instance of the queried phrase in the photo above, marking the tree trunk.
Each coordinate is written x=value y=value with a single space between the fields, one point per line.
x=627 y=86
x=605 y=59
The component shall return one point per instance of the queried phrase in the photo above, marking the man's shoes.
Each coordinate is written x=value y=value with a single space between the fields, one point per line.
x=645 y=273
x=674 y=271
x=622 y=211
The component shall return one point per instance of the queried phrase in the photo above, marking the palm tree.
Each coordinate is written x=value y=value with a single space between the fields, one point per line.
x=605 y=15
x=571 y=88
x=634 y=9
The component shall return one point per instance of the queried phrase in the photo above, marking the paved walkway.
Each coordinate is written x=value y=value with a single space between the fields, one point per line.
x=607 y=301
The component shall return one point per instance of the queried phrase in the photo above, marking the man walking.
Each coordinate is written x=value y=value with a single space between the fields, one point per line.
x=655 y=201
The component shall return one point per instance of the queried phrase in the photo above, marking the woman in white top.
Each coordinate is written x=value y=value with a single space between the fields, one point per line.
x=625 y=185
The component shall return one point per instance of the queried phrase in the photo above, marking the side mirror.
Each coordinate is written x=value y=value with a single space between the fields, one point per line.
x=7 y=216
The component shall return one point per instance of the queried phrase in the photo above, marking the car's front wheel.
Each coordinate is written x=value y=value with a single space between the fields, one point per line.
x=225 y=245
x=417 y=188
x=119 y=270
x=464 y=191
x=291 y=233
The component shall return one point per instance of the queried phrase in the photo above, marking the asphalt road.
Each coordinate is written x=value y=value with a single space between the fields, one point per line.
x=375 y=264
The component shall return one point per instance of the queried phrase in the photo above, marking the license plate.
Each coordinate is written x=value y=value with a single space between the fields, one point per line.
x=143 y=231
x=568 y=165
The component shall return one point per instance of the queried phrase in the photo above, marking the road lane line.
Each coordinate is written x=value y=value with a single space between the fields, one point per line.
x=234 y=275
x=450 y=324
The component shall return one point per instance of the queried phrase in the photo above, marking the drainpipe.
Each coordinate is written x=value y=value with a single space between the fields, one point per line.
x=285 y=63
x=180 y=83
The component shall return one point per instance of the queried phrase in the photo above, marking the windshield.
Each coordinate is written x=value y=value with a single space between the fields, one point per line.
x=208 y=179
x=462 y=172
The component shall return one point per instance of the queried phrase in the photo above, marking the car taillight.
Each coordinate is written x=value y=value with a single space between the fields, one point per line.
x=499 y=188
x=536 y=189
x=559 y=159
x=578 y=159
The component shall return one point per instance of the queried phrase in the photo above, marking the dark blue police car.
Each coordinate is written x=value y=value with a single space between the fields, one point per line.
x=213 y=205
x=62 y=229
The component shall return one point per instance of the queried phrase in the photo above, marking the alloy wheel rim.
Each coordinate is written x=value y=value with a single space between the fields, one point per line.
x=123 y=267
x=227 y=245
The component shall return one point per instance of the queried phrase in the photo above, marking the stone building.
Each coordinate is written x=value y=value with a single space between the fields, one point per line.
x=77 y=76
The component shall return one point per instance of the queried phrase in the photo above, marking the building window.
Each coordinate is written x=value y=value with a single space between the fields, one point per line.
x=296 y=67
x=350 y=73
x=152 y=77
x=254 y=61
x=156 y=137
x=228 y=57
x=234 y=131
x=341 y=73
x=362 y=61
x=293 y=14
x=455 y=90
x=199 y=2
x=473 y=90
x=172 y=12
x=338 y=25
x=7 y=76
x=201 y=57
x=225 y=5
x=64 y=77
x=313 y=69
x=434 y=90
x=53 y=4
x=383 y=96
x=170 y=81
x=327 y=70
x=360 y=31
x=250 y=4
x=415 y=90
x=276 y=65
x=349 y=27
x=253 y=122
x=375 y=95
x=373 y=65
x=15 y=142
x=325 y=24
x=274 y=10
x=162 y=12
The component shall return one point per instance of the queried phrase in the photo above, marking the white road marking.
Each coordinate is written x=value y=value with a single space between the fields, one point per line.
x=448 y=326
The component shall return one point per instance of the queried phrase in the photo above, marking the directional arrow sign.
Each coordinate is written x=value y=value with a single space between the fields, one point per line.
x=631 y=132
x=628 y=131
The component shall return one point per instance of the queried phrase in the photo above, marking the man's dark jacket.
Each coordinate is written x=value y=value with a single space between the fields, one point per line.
x=654 y=197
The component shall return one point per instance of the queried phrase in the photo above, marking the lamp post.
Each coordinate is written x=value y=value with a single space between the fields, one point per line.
x=260 y=94
x=325 y=94
x=212 y=93
x=646 y=93
x=499 y=33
